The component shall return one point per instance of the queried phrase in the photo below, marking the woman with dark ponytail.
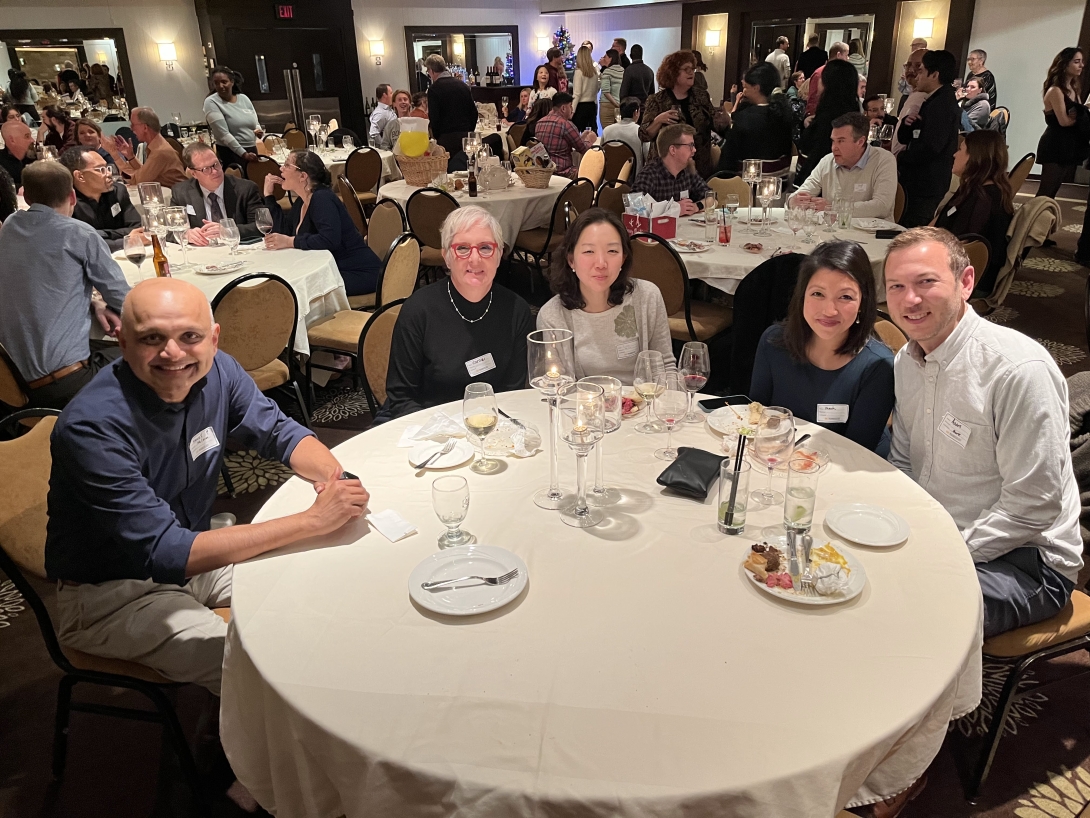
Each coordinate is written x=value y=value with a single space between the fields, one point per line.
x=762 y=122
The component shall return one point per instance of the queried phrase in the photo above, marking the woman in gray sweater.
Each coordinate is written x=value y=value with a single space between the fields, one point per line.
x=232 y=118
x=614 y=317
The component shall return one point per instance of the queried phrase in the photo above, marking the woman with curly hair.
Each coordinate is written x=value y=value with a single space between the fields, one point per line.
x=840 y=81
x=678 y=100
x=1064 y=142
x=614 y=317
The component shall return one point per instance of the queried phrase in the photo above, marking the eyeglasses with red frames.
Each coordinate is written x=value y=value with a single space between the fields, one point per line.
x=484 y=250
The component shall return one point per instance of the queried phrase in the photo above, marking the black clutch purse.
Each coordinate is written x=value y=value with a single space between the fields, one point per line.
x=693 y=473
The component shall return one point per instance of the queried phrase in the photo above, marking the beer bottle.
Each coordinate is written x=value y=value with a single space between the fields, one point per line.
x=159 y=259
x=472 y=181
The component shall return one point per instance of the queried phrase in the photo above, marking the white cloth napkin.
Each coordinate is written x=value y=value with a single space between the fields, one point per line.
x=391 y=525
x=407 y=441
x=439 y=427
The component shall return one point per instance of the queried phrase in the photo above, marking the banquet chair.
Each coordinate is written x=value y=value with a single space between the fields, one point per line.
x=724 y=186
x=261 y=167
x=1066 y=632
x=609 y=196
x=425 y=210
x=233 y=170
x=332 y=125
x=890 y=335
x=345 y=334
x=898 y=203
x=295 y=139
x=777 y=167
x=364 y=170
x=593 y=165
x=535 y=246
x=257 y=326
x=261 y=149
x=515 y=132
x=626 y=171
x=174 y=143
x=387 y=222
x=347 y=194
x=13 y=388
x=338 y=135
x=1018 y=174
x=616 y=153
x=396 y=278
x=25 y=464
x=979 y=251
x=655 y=260
x=717 y=153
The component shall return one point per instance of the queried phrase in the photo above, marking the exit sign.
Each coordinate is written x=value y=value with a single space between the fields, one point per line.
x=284 y=12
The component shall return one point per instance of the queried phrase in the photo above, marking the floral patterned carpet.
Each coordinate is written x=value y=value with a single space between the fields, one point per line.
x=1042 y=769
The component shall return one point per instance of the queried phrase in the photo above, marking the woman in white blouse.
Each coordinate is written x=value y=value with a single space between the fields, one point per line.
x=541 y=89
x=586 y=91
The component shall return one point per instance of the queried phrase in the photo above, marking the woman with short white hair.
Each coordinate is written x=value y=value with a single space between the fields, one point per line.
x=462 y=329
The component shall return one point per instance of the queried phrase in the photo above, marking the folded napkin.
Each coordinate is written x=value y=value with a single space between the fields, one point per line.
x=391 y=525
x=439 y=427
x=406 y=441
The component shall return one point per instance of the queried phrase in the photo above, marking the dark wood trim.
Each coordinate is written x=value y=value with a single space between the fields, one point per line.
x=51 y=35
x=445 y=33
x=959 y=31
x=1084 y=43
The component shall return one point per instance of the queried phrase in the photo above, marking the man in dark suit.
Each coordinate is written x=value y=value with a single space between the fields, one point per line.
x=931 y=140
x=209 y=195
x=639 y=79
x=451 y=110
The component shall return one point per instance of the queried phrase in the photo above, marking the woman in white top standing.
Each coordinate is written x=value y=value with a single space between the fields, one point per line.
x=614 y=317
x=586 y=91
x=232 y=118
x=540 y=89
x=611 y=78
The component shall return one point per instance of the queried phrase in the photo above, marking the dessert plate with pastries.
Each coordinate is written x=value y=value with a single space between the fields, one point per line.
x=838 y=576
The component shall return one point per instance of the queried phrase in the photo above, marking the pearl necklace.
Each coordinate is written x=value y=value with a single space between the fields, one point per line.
x=468 y=320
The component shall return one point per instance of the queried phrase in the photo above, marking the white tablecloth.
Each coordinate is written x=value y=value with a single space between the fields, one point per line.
x=517 y=208
x=334 y=160
x=725 y=267
x=639 y=674
x=313 y=274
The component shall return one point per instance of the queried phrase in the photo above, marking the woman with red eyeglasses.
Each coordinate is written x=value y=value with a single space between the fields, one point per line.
x=460 y=330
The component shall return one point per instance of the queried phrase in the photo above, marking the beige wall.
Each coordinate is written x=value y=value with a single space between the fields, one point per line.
x=715 y=60
x=939 y=11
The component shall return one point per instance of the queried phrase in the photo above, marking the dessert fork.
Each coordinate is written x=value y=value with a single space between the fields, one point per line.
x=807 y=582
x=503 y=579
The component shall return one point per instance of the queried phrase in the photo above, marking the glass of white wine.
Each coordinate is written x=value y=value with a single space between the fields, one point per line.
x=481 y=415
x=649 y=379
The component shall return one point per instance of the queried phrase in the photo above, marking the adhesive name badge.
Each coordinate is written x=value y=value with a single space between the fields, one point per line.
x=115 y=209
x=832 y=413
x=202 y=442
x=480 y=364
x=952 y=211
x=628 y=348
x=684 y=194
x=860 y=187
x=954 y=429
x=916 y=133
x=189 y=209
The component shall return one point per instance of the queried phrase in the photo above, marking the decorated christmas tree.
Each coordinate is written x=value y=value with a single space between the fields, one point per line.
x=509 y=67
x=562 y=40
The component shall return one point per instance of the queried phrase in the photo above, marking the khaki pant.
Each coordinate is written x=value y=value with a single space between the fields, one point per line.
x=168 y=628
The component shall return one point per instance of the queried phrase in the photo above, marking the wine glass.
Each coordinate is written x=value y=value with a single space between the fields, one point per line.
x=550 y=357
x=177 y=117
x=481 y=415
x=151 y=195
x=314 y=122
x=810 y=224
x=582 y=421
x=795 y=217
x=694 y=367
x=830 y=215
x=450 y=499
x=751 y=175
x=886 y=134
x=348 y=143
x=612 y=393
x=772 y=444
x=768 y=190
x=649 y=379
x=229 y=232
x=135 y=251
x=263 y=220
x=322 y=136
x=670 y=408
x=155 y=223
x=177 y=222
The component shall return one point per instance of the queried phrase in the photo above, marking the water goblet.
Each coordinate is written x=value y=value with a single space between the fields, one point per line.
x=481 y=416
x=810 y=224
x=229 y=233
x=450 y=499
x=831 y=217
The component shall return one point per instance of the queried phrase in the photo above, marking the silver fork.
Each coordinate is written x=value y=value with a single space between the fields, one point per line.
x=500 y=580
x=807 y=581
x=448 y=447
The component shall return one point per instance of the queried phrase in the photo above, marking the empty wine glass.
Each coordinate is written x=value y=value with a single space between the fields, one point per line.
x=581 y=421
x=830 y=215
x=810 y=224
x=649 y=379
x=177 y=222
x=263 y=220
x=772 y=444
x=670 y=408
x=612 y=393
x=135 y=251
x=450 y=499
x=795 y=217
x=229 y=233
x=694 y=367
x=348 y=143
x=481 y=415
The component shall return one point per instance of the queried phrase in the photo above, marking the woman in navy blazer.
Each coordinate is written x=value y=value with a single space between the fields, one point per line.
x=319 y=221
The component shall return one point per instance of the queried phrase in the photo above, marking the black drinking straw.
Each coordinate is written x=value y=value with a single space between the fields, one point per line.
x=729 y=522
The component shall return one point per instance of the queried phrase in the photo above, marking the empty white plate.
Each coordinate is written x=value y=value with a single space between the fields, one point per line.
x=473 y=596
x=462 y=452
x=867 y=525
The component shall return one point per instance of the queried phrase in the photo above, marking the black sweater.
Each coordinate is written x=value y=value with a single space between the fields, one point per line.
x=432 y=344
x=931 y=141
x=756 y=133
x=980 y=211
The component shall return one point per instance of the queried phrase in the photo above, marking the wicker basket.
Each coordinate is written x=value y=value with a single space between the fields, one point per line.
x=535 y=177
x=419 y=171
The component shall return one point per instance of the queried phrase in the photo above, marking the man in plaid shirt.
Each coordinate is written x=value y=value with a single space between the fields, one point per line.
x=670 y=175
x=560 y=137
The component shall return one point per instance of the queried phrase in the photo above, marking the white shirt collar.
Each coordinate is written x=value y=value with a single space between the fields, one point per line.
x=862 y=163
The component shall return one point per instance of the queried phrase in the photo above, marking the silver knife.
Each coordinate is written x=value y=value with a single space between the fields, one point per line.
x=793 y=559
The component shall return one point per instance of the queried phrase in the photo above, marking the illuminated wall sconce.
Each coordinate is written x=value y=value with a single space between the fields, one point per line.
x=459 y=49
x=544 y=44
x=711 y=39
x=101 y=56
x=168 y=54
x=923 y=27
x=378 y=51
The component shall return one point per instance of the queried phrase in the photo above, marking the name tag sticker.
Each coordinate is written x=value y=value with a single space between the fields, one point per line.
x=954 y=429
x=952 y=211
x=832 y=413
x=480 y=364
x=684 y=194
x=860 y=187
x=203 y=441
x=916 y=133
x=189 y=209
x=628 y=348
x=115 y=209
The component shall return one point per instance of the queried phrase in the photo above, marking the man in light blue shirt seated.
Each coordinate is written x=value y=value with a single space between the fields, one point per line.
x=50 y=264
x=382 y=114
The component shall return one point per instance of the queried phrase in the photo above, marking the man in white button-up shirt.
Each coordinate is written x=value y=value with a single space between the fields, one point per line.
x=981 y=423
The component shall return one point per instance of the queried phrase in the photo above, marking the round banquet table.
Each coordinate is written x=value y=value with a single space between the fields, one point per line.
x=725 y=267
x=335 y=159
x=640 y=673
x=517 y=208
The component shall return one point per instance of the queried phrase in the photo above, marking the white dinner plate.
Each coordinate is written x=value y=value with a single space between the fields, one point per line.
x=871 y=225
x=867 y=525
x=857 y=579
x=461 y=453
x=471 y=597
x=218 y=269
x=726 y=420
x=690 y=246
